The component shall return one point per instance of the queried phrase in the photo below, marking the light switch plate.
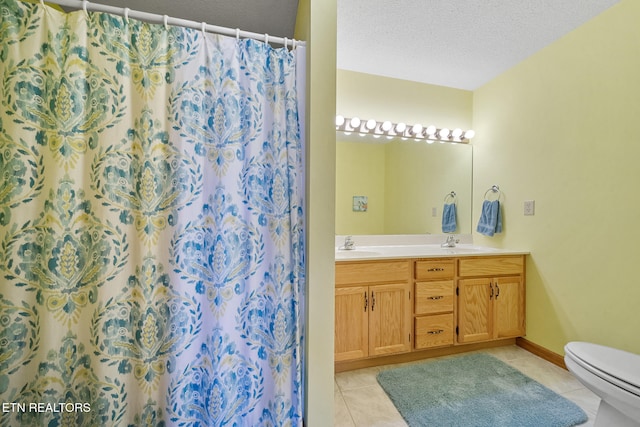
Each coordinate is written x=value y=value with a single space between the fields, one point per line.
x=529 y=207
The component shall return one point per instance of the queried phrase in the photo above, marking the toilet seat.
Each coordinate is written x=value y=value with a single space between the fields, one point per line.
x=620 y=368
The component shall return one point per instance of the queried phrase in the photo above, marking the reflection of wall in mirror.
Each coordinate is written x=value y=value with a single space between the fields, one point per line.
x=405 y=180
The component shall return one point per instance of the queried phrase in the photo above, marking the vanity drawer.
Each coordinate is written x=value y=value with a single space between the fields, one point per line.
x=434 y=297
x=434 y=269
x=372 y=272
x=491 y=266
x=434 y=331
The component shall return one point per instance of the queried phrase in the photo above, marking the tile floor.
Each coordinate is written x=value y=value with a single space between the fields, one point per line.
x=361 y=402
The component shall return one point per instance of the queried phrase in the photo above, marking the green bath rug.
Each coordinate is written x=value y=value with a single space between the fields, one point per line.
x=475 y=390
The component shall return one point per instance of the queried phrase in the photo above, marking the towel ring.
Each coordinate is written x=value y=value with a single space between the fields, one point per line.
x=493 y=189
x=451 y=196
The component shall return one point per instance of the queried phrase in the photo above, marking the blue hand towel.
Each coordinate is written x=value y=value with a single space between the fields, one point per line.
x=490 y=218
x=449 y=221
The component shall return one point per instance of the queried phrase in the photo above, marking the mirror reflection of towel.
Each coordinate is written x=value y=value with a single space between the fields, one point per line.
x=490 y=218
x=449 y=221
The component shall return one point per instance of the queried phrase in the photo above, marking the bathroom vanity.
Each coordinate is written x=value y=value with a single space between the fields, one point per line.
x=400 y=303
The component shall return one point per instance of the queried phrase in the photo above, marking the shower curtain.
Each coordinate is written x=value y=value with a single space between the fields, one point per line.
x=152 y=264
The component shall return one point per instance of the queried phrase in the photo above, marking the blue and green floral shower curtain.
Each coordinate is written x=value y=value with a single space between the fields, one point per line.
x=151 y=224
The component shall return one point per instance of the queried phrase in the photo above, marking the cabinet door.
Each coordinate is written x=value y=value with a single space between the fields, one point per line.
x=509 y=307
x=389 y=319
x=351 y=327
x=475 y=310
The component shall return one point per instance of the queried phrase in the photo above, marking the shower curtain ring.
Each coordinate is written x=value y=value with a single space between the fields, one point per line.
x=126 y=14
x=266 y=38
x=42 y=3
x=85 y=3
x=237 y=33
x=166 y=23
x=204 y=29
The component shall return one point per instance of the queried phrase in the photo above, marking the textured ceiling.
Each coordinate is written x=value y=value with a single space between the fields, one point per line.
x=454 y=43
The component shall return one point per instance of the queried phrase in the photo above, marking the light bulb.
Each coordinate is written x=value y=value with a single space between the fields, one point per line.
x=401 y=127
x=456 y=133
x=416 y=129
x=431 y=130
x=355 y=122
x=469 y=134
x=371 y=124
x=386 y=126
x=444 y=133
x=339 y=120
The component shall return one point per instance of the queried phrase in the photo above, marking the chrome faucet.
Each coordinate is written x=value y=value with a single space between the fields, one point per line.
x=349 y=244
x=451 y=242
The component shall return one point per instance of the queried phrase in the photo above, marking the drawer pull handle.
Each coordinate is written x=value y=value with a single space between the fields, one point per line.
x=439 y=331
x=435 y=298
x=436 y=269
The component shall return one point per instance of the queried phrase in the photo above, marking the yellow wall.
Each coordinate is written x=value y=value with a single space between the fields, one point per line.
x=561 y=128
x=383 y=98
x=316 y=23
x=419 y=175
x=360 y=171
x=403 y=181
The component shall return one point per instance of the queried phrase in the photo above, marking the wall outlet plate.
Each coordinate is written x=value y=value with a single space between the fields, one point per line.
x=529 y=207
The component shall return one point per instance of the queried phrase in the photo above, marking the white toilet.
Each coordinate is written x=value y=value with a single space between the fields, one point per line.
x=614 y=375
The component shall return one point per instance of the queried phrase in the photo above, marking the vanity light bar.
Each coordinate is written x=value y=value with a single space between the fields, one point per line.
x=429 y=134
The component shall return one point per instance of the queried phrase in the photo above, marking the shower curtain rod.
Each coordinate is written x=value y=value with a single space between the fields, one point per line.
x=167 y=20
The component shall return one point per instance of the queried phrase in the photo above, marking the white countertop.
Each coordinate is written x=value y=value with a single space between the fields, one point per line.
x=418 y=251
x=375 y=247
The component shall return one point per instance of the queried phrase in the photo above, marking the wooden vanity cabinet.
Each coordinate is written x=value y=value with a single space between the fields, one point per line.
x=372 y=309
x=491 y=298
x=434 y=303
x=424 y=305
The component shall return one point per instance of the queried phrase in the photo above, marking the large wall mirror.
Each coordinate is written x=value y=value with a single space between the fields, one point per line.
x=400 y=186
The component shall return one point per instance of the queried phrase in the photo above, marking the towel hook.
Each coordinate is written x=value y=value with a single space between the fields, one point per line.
x=494 y=189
